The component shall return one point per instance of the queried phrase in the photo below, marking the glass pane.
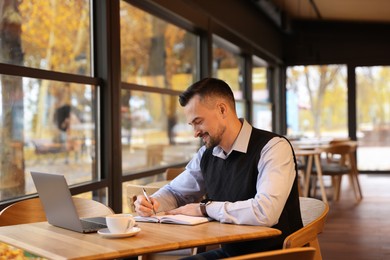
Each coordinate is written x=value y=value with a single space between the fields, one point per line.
x=373 y=118
x=317 y=101
x=262 y=108
x=156 y=53
x=240 y=109
x=45 y=126
x=154 y=131
x=51 y=35
x=259 y=84
x=228 y=67
x=262 y=116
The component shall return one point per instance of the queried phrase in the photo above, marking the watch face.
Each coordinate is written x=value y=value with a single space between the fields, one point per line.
x=206 y=201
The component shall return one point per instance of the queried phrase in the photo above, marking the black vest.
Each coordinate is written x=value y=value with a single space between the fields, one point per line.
x=234 y=179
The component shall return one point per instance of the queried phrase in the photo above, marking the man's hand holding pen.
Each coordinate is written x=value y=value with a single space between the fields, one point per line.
x=145 y=205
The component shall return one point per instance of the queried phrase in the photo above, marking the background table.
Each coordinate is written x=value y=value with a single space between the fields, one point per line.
x=310 y=154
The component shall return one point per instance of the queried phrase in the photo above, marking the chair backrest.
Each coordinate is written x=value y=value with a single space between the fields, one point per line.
x=339 y=140
x=171 y=173
x=338 y=153
x=87 y=208
x=26 y=211
x=31 y=210
x=301 y=253
x=134 y=190
x=345 y=150
x=314 y=213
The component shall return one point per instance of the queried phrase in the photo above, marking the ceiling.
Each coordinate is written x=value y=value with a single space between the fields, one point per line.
x=376 y=11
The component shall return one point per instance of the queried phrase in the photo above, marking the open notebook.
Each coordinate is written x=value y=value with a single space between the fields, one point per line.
x=173 y=219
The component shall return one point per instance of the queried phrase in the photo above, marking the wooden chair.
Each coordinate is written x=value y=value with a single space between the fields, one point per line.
x=302 y=253
x=31 y=210
x=314 y=213
x=134 y=190
x=340 y=160
x=172 y=173
x=16 y=213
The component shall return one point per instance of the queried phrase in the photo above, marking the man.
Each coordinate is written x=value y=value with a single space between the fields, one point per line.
x=248 y=175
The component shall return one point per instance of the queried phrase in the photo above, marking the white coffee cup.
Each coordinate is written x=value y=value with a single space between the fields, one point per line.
x=120 y=223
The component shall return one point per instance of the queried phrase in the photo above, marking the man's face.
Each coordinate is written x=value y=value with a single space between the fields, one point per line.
x=206 y=119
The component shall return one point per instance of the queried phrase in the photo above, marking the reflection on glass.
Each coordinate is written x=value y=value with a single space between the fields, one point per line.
x=51 y=36
x=228 y=66
x=45 y=126
x=154 y=131
x=373 y=118
x=317 y=101
x=156 y=53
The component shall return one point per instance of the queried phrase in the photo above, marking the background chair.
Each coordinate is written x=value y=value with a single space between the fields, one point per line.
x=133 y=190
x=302 y=253
x=314 y=213
x=172 y=173
x=31 y=210
x=17 y=213
x=339 y=161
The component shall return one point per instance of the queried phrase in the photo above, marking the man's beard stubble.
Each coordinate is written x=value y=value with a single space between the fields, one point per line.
x=216 y=140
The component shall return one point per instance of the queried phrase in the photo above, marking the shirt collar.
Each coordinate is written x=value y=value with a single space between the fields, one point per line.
x=241 y=142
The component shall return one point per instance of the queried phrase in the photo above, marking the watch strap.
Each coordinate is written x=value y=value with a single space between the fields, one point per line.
x=203 y=205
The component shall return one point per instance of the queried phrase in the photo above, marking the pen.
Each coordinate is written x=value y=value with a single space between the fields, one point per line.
x=148 y=199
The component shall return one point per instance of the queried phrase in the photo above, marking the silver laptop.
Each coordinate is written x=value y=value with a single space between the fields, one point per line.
x=58 y=204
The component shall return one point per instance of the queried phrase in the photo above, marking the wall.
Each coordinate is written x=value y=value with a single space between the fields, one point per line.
x=342 y=43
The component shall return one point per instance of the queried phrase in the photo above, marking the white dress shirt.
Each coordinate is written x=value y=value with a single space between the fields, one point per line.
x=274 y=182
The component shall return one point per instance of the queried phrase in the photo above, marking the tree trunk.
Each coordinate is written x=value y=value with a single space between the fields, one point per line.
x=11 y=149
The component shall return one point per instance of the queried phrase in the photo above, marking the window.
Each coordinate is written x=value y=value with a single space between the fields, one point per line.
x=51 y=36
x=158 y=61
x=156 y=53
x=229 y=67
x=373 y=117
x=262 y=107
x=317 y=101
x=46 y=124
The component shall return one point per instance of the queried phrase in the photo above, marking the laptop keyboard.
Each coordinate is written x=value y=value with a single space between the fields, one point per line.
x=91 y=226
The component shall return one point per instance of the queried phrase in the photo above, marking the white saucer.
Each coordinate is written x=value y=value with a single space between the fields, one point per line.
x=106 y=233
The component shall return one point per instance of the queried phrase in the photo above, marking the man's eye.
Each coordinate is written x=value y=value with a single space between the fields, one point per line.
x=198 y=122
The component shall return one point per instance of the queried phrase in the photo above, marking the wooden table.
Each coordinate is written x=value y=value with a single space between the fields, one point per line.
x=56 y=243
x=310 y=154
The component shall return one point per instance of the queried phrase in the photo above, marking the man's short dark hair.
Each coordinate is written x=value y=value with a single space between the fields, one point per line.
x=208 y=87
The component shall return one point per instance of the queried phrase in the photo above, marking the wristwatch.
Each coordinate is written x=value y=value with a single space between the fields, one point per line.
x=203 y=205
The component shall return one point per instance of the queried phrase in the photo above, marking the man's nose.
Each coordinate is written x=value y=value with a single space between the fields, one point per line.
x=197 y=133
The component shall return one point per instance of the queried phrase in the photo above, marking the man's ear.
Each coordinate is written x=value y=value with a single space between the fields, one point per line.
x=222 y=109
